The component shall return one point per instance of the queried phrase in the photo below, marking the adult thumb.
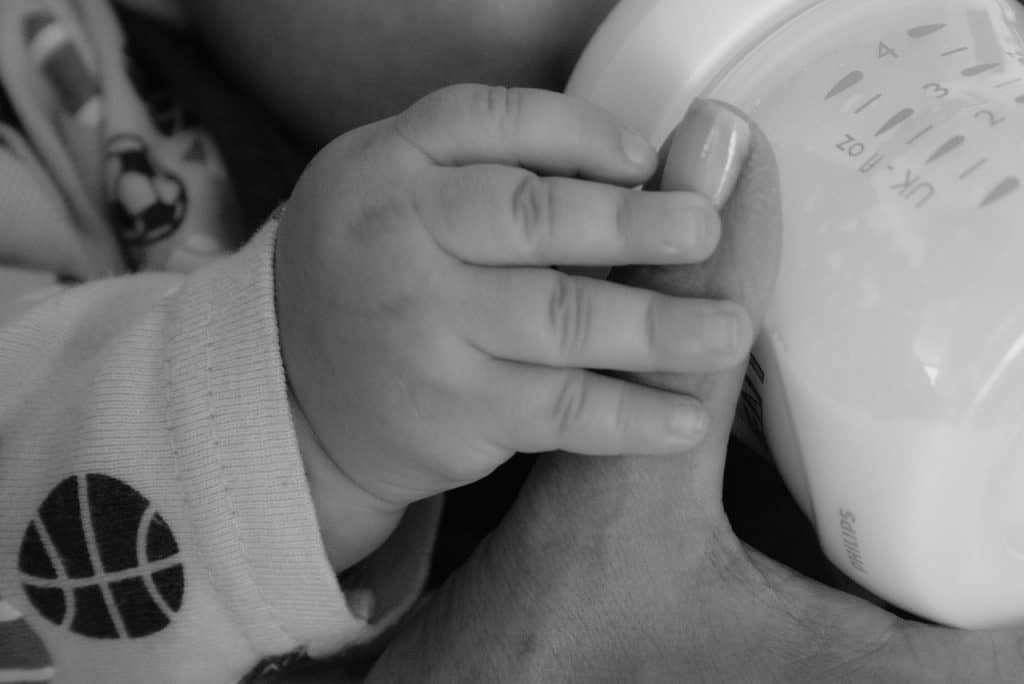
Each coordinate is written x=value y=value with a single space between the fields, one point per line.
x=718 y=151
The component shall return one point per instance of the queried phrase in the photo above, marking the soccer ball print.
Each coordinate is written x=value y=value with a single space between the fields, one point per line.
x=147 y=203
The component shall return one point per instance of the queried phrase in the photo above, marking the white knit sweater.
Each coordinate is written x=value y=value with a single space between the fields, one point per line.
x=155 y=520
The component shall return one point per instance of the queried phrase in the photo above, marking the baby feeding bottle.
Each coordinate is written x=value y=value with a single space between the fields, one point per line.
x=888 y=379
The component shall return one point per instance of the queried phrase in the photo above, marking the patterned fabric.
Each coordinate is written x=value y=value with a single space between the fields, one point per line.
x=135 y=182
x=155 y=517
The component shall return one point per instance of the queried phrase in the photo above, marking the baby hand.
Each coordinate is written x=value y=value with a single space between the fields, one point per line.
x=425 y=337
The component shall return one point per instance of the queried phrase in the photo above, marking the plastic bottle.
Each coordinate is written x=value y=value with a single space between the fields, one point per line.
x=888 y=380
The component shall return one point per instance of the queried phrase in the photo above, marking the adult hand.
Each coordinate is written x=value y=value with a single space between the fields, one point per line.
x=627 y=570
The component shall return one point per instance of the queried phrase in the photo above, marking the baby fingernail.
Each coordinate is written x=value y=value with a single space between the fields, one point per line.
x=637 y=149
x=708 y=151
x=689 y=421
x=696 y=227
x=721 y=331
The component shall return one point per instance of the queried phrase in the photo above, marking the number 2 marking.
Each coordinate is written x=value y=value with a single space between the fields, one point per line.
x=885 y=51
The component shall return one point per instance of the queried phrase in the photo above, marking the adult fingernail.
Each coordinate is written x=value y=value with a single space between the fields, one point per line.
x=708 y=151
x=637 y=150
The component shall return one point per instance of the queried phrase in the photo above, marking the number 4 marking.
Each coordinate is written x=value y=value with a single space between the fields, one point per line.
x=885 y=51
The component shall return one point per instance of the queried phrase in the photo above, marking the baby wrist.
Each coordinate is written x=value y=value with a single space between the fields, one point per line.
x=353 y=522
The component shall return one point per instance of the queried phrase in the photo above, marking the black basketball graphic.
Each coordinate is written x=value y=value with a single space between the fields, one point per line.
x=99 y=560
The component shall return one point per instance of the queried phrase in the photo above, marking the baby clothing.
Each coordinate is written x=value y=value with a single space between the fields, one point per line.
x=155 y=520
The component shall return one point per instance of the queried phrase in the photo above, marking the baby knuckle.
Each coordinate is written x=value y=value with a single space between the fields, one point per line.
x=650 y=331
x=501 y=106
x=532 y=210
x=624 y=418
x=569 y=408
x=621 y=229
x=569 y=317
x=436 y=111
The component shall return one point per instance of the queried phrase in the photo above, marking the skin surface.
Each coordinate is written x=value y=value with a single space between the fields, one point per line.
x=425 y=335
x=620 y=570
x=326 y=66
x=627 y=570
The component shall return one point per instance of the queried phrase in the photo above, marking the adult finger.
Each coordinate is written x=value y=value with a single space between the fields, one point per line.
x=548 y=132
x=546 y=409
x=541 y=316
x=501 y=215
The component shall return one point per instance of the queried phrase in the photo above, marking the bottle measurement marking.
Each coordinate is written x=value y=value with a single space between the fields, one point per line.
x=1006 y=187
x=867 y=104
x=845 y=83
x=912 y=184
x=977 y=165
x=913 y=187
x=895 y=120
x=926 y=30
x=980 y=68
x=946 y=147
x=920 y=135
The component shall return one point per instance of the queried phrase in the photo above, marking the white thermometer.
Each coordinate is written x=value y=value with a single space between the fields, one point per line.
x=888 y=380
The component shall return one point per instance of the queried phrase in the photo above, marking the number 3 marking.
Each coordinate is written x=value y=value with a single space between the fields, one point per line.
x=993 y=120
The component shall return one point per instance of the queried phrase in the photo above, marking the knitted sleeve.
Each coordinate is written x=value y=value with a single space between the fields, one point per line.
x=155 y=519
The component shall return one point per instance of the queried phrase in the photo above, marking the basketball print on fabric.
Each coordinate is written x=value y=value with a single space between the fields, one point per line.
x=99 y=560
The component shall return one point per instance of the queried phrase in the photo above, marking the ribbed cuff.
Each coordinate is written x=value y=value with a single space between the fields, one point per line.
x=255 y=521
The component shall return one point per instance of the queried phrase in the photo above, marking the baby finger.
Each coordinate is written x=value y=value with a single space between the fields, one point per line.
x=501 y=215
x=545 y=409
x=541 y=316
